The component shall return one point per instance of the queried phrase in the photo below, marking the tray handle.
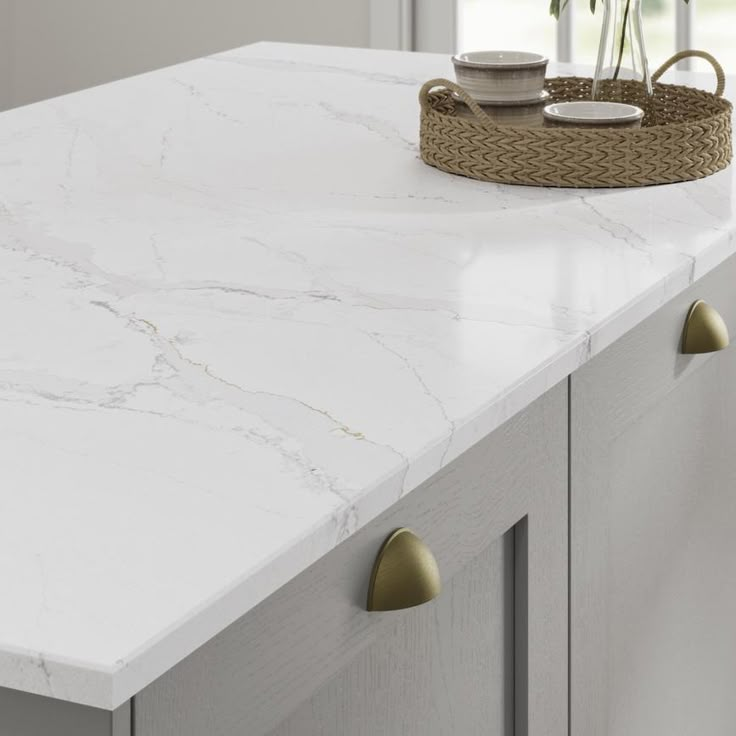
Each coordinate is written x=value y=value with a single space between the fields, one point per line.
x=427 y=87
x=680 y=55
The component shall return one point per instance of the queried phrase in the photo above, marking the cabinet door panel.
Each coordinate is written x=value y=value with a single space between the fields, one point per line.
x=492 y=649
x=27 y=714
x=440 y=669
x=653 y=531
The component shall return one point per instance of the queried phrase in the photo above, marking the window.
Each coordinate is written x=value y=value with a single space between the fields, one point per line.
x=714 y=30
x=660 y=30
x=668 y=25
x=506 y=24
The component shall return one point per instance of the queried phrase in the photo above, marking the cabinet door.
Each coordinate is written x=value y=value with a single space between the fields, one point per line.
x=445 y=668
x=27 y=714
x=653 y=530
x=489 y=656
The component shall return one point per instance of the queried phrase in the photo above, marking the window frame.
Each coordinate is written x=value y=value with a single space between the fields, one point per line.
x=431 y=25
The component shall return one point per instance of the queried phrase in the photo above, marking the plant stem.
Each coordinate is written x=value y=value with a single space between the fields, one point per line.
x=623 y=40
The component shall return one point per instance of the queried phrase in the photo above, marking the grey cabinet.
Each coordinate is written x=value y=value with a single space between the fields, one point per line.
x=489 y=656
x=653 y=530
x=25 y=714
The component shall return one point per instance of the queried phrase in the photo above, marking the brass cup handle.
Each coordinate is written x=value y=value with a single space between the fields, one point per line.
x=405 y=574
x=704 y=330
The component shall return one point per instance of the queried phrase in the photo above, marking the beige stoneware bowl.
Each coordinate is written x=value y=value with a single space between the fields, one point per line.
x=501 y=76
x=523 y=113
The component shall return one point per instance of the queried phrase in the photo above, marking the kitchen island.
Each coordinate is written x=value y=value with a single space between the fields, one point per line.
x=248 y=333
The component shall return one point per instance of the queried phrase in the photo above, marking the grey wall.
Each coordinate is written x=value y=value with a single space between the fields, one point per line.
x=49 y=47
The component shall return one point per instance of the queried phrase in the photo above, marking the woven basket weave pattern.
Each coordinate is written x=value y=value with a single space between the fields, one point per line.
x=685 y=135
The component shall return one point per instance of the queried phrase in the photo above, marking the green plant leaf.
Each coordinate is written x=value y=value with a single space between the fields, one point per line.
x=556 y=7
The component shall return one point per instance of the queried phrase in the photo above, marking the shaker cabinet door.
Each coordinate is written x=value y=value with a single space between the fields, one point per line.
x=487 y=656
x=441 y=668
x=653 y=530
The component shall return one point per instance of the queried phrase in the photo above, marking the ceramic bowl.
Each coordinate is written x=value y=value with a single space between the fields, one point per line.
x=590 y=114
x=524 y=113
x=501 y=76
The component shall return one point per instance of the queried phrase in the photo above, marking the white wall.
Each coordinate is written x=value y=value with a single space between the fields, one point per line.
x=49 y=47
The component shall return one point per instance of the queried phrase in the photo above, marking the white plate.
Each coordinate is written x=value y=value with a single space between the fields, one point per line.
x=593 y=112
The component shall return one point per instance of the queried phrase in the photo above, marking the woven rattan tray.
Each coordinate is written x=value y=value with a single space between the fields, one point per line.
x=685 y=135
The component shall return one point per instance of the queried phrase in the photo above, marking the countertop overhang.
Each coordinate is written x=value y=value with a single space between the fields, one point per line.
x=241 y=318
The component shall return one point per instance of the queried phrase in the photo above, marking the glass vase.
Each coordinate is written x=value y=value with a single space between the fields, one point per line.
x=621 y=55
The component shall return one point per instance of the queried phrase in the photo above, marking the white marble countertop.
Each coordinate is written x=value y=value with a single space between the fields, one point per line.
x=241 y=318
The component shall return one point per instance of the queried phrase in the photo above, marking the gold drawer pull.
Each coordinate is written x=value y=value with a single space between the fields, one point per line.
x=704 y=331
x=405 y=574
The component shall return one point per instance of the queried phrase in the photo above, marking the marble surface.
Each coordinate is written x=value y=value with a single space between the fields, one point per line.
x=241 y=318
